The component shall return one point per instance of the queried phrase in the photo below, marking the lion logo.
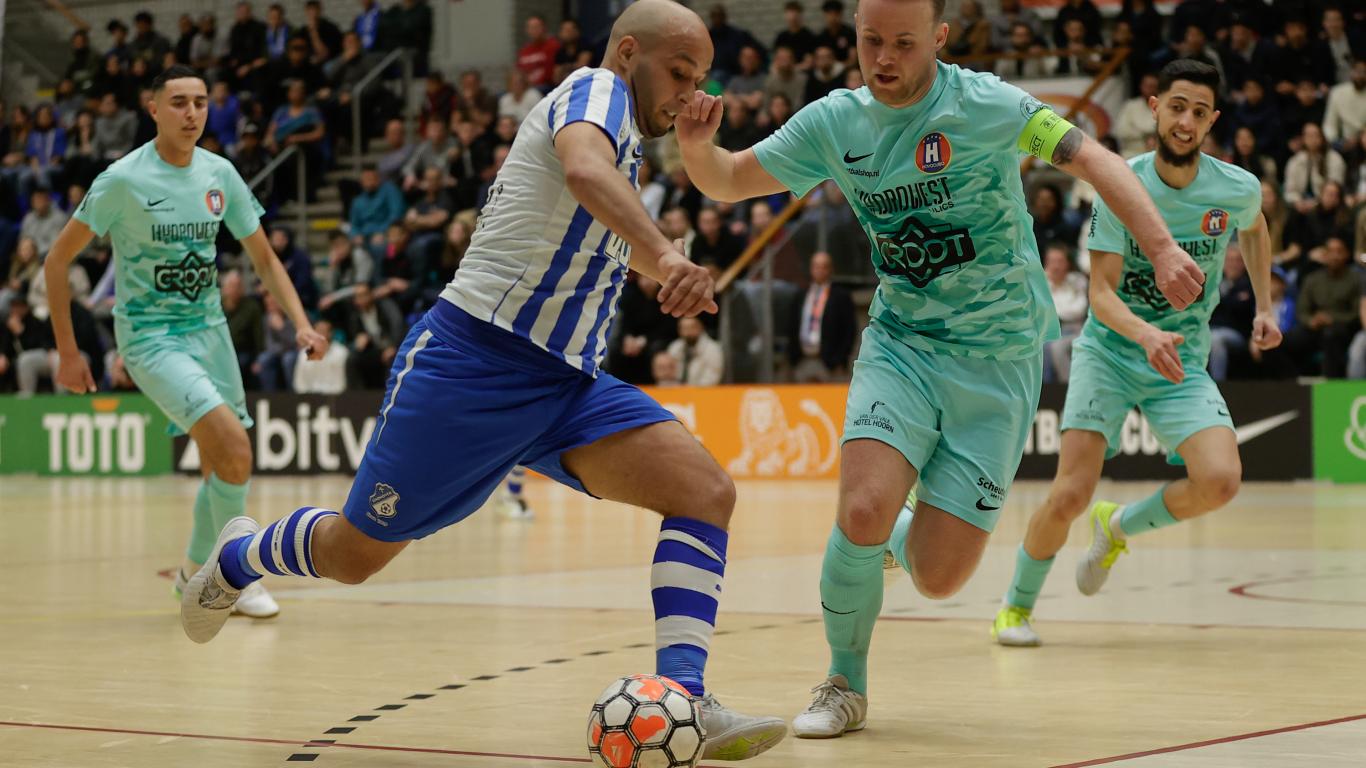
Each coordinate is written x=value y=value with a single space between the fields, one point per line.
x=772 y=447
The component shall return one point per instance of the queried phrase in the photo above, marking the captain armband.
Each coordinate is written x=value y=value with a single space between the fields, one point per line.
x=1042 y=134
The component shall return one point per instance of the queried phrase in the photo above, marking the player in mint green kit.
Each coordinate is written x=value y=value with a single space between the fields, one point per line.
x=1137 y=350
x=947 y=380
x=162 y=205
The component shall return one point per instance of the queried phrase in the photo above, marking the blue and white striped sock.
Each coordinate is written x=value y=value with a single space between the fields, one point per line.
x=685 y=585
x=515 y=479
x=284 y=548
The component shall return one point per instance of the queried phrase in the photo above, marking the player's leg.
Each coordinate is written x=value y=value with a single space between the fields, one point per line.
x=1079 y=465
x=512 y=504
x=1193 y=417
x=431 y=462
x=616 y=443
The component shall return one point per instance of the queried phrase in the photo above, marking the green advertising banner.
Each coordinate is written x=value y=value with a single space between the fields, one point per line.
x=1340 y=431
x=109 y=435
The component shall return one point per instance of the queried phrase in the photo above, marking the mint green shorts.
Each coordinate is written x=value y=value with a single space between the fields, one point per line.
x=187 y=375
x=962 y=422
x=1106 y=385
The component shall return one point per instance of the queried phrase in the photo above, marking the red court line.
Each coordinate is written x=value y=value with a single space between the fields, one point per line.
x=1212 y=742
x=1245 y=590
x=300 y=743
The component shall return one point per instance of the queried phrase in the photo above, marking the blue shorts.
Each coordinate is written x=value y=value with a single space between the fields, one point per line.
x=466 y=402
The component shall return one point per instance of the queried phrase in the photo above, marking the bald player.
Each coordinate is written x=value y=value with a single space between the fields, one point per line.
x=506 y=370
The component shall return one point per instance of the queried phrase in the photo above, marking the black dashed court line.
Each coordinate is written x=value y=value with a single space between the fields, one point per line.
x=318 y=743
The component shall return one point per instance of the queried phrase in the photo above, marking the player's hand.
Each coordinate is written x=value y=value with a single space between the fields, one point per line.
x=1266 y=334
x=73 y=374
x=688 y=287
x=1178 y=277
x=1162 y=355
x=312 y=343
x=700 y=120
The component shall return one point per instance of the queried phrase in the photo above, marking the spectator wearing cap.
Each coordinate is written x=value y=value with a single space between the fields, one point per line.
x=148 y=44
x=536 y=58
x=1345 y=116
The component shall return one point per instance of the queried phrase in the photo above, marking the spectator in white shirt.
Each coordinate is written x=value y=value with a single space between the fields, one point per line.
x=699 y=356
x=1068 y=287
x=520 y=98
x=1135 y=122
x=326 y=376
x=1345 y=115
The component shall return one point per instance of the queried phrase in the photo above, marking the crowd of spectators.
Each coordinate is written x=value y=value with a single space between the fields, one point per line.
x=1293 y=113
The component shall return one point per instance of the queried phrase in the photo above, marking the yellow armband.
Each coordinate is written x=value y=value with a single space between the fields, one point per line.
x=1042 y=134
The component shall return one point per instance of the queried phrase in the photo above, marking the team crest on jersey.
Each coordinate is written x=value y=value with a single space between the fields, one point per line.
x=215 y=201
x=934 y=153
x=384 y=501
x=1215 y=222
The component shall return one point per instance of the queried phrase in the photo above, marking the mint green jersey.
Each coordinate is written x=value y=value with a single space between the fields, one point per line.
x=937 y=188
x=1202 y=218
x=163 y=221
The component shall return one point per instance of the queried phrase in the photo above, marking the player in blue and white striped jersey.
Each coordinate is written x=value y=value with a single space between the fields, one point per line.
x=505 y=370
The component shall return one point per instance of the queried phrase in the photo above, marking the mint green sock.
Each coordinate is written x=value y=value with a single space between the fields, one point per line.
x=226 y=501
x=1029 y=578
x=204 y=533
x=900 y=532
x=1146 y=515
x=851 y=596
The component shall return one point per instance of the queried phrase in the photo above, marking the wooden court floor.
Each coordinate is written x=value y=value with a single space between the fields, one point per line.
x=1238 y=641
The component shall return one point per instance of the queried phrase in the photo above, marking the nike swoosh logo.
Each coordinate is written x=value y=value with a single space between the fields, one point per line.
x=982 y=506
x=832 y=610
x=1255 y=429
x=151 y=204
x=852 y=160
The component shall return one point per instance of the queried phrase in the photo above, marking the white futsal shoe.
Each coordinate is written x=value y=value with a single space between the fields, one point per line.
x=1012 y=628
x=254 y=602
x=1094 y=567
x=834 y=711
x=732 y=736
x=208 y=598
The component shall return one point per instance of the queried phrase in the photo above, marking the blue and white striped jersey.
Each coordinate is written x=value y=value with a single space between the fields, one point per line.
x=539 y=265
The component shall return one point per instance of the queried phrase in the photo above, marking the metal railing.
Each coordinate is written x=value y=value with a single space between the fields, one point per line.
x=358 y=94
x=301 y=198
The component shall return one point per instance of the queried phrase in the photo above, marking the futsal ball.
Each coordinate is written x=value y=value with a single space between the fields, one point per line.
x=645 y=721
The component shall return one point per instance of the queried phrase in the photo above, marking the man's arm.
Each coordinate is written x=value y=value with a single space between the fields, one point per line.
x=276 y=280
x=1178 y=276
x=1255 y=242
x=719 y=174
x=1160 y=345
x=73 y=372
x=590 y=172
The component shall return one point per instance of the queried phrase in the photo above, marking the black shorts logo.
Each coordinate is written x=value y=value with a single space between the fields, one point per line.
x=191 y=277
x=920 y=252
